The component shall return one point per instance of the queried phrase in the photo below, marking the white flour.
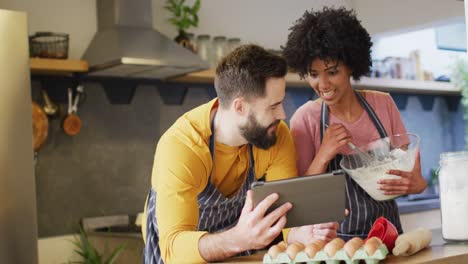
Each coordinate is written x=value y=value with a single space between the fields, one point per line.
x=454 y=210
x=453 y=178
x=367 y=177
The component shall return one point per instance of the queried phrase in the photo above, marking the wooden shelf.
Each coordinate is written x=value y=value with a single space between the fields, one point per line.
x=386 y=85
x=56 y=66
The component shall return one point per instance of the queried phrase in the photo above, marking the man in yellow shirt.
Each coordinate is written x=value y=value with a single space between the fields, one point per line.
x=200 y=207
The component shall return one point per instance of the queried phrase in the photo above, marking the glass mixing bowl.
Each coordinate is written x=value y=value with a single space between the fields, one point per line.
x=397 y=152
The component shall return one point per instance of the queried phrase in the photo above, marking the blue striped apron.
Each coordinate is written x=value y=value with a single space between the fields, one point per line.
x=363 y=209
x=216 y=212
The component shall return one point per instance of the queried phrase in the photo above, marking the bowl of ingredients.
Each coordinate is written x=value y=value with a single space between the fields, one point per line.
x=372 y=161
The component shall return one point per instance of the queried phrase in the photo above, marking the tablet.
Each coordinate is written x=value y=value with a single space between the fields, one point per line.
x=316 y=199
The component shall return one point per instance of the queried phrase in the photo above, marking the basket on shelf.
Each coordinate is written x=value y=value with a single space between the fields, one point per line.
x=49 y=45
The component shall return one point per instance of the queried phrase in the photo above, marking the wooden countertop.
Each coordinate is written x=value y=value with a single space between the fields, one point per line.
x=56 y=66
x=437 y=253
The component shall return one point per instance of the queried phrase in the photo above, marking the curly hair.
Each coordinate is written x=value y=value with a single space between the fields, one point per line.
x=332 y=35
x=244 y=72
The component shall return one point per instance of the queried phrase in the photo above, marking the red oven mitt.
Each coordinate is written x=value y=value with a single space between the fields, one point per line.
x=384 y=230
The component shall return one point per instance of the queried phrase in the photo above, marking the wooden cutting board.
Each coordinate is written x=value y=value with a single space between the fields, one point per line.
x=40 y=126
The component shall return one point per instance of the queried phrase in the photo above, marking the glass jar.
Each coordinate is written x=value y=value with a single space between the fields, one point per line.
x=220 y=49
x=453 y=185
x=204 y=47
x=233 y=43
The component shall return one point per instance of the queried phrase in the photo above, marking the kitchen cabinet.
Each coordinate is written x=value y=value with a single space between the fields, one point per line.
x=380 y=84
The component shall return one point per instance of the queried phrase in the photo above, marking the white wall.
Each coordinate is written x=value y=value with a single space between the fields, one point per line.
x=77 y=18
x=264 y=22
x=432 y=59
x=384 y=16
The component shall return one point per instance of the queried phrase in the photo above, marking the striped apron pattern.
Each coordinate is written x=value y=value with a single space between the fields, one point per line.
x=216 y=212
x=363 y=209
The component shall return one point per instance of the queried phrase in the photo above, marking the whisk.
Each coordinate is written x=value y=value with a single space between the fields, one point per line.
x=365 y=157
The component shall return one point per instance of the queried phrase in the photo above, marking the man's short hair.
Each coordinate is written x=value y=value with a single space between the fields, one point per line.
x=244 y=72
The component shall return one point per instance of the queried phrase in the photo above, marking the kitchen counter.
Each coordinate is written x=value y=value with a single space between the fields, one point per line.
x=439 y=252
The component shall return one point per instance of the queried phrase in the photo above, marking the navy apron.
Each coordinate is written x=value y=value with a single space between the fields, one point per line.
x=216 y=212
x=363 y=209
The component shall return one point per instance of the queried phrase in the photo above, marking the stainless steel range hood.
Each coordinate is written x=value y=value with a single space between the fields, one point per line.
x=126 y=45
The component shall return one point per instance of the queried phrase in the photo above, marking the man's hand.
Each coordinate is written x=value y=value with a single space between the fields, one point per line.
x=410 y=182
x=255 y=230
x=308 y=234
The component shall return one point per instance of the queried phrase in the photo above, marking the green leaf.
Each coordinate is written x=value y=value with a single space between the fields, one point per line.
x=174 y=21
x=196 y=7
x=115 y=254
x=187 y=10
x=172 y=3
x=170 y=8
x=178 y=10
x=184 y=16
x=195 y=20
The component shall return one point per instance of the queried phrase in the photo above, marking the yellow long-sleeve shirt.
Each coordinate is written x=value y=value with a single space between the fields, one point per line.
x=181 y=170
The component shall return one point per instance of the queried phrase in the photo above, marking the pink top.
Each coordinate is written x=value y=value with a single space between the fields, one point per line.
x=305 y=125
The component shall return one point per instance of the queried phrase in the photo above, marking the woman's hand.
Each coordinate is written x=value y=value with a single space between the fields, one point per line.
x=336 y=136
x=410 y=182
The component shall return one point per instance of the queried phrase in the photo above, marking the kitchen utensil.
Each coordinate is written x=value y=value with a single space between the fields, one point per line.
x=385 y=231
x=40 y=126
x=72 y=122
x=50 y=108
x=395 y=152
x=362 y=155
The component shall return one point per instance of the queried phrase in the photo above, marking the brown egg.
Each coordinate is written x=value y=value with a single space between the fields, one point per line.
x=333 y=246
x=283 y=245
x=372 y=244
x=319 y=243
x=293 y=249
x=352 y=246
x=311 y=250
x=275 y=250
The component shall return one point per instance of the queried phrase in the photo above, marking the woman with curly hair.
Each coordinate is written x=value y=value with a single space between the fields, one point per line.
x=327 y=48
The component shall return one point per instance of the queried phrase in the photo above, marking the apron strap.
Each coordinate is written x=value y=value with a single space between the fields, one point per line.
x=324 y=117
x=212 y=147
x=375 y=119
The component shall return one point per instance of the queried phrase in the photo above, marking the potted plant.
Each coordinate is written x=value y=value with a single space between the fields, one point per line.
x=460 y=80
x=183 y=17
x=90 y=254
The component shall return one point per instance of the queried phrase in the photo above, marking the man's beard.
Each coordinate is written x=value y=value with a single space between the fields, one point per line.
x=257 y=134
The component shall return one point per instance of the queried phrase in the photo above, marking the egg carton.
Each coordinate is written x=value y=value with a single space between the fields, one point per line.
x=301 y=257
